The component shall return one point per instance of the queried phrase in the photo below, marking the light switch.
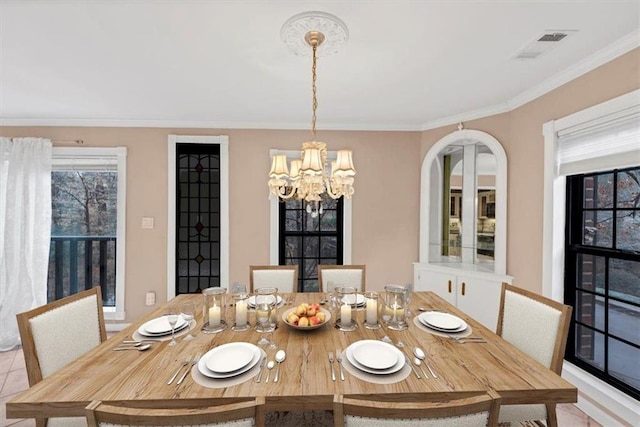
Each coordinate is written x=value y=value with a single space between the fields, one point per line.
x=147 y=222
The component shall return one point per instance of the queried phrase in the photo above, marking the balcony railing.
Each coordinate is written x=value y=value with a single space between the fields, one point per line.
x=77 y=263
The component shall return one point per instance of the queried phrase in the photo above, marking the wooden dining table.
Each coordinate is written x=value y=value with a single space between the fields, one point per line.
x=305 y=377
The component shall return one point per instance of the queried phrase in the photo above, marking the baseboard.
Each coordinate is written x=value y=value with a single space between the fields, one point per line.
x=600 y=401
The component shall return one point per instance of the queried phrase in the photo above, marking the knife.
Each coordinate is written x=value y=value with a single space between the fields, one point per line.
x=262 y=363
x=413 y=368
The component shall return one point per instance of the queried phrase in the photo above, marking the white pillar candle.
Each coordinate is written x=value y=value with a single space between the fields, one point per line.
x=241 y=313
x=214 y=316
x=372 y=311
x=345 y=314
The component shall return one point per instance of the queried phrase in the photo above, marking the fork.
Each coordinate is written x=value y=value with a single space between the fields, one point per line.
x=195 y=360
x=464 y=340
x=185 y=363
x=333 y=373
x=339 y=358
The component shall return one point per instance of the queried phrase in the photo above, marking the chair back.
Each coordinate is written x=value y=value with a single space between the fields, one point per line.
x=466 y=411
x=341 y=275
x=241 y=413
x=283 y=277
x=59 y=332
x=537 y=325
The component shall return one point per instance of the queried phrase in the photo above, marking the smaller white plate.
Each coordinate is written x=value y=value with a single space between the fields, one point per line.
x=392 y=370
x=161 y=334
x=251 y=301
x=202 y=363
x=358 y=298
x=442 y=321
x=229 y=357
x=375 y=354
x=160 y=325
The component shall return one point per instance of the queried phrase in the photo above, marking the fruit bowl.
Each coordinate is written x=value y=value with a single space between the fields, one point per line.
x=285 y=319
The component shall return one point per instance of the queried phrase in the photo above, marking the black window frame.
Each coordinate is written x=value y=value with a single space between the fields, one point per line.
x=319 y=233
x=574 y=249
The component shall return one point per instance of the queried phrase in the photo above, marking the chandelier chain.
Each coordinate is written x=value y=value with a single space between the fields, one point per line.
x=315 y=92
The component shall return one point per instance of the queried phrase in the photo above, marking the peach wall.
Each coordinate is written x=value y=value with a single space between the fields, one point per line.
x=385 y=211
x=520 y=132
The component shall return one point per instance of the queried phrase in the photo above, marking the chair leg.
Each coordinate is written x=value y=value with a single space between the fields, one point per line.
x=552 y=419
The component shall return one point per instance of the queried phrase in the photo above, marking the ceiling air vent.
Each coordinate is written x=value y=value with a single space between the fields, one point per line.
x=543 y=43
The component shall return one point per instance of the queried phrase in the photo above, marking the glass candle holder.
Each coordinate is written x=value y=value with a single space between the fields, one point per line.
x=395 y=307
x=240 y=312
x=346 y=297
x=372 y=310
x=214 y=310
x=266 y=303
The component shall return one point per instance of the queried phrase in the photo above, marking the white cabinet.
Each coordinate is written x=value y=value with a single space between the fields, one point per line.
x=475 y=293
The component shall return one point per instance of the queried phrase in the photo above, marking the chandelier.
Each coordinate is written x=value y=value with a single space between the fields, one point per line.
x=309 y=177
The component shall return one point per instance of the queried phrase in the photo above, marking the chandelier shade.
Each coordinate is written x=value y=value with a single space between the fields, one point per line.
x=309 y=177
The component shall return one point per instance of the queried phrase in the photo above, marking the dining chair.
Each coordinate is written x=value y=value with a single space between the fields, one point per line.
x=378 y=411
x=341 y=275
x=539 y=327
x=242 y=413
x=283 y=277
x=57 y=333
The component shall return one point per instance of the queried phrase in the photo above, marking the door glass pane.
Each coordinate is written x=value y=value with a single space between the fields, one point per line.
x=453 y=162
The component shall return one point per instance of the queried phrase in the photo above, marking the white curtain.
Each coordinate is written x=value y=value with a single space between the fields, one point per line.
x=25 y=230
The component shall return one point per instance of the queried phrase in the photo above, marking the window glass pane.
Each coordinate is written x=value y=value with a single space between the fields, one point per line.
x=311 y=223
x=328 y=246
x=328 y=221
x=310 y=269
x=310 y=285
x=589 y=310
x=628 y=230
x=624 y=321
x=292 y=247
x=293 y=220
x=598 y=191
x=597 y=228
x=624 y=280
x=628 y=189
x=623 y=362
x=591 y=273
x=590 y=346
x=311 y=247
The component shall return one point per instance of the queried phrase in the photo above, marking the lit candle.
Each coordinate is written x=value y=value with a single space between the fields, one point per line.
x=372 y=311
x=345 y=314
x=396 y=311
x=241 y=313
x=214 y=316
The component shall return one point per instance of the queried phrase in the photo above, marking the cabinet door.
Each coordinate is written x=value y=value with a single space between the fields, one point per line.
x=442 y=284
x=480 y=299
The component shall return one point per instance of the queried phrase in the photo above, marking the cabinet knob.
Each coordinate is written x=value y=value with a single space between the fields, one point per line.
x=463 y=288
x=449 y=286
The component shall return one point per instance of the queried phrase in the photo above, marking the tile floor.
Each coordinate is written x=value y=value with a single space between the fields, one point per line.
x=13 y=379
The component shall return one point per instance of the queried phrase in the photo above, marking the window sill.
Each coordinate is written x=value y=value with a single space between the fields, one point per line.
x=602 y=402
x=110 y=313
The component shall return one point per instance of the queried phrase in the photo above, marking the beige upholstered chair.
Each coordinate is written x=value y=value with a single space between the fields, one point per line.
x=57 y=333
x=341 y=275
x=245 y=413
x=283 y=277
x=469 y=411
x=539 y=327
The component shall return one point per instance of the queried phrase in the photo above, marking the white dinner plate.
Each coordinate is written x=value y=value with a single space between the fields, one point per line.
x=375 y=354
x=359 y=299
x=160 y=325
x=163 y=334
x=442 y=321
x=398 y=364
x=204 y=370
x=251 y=301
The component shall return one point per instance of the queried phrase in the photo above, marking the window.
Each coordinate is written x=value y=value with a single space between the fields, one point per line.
x=307 y=241
x=603 y=275
x=87 y=231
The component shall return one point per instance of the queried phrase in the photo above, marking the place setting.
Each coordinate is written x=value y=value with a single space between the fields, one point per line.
x=228 y=365
x=445 y=325
x=376 y=362
x=161 y=329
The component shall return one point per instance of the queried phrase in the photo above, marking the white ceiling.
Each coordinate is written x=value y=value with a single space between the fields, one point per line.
x=408 y=65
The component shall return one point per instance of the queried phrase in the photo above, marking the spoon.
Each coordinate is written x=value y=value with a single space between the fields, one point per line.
x=280 y=356
x=418 y=363
x=134 y=347
x=270 y=366
x=420 y=355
